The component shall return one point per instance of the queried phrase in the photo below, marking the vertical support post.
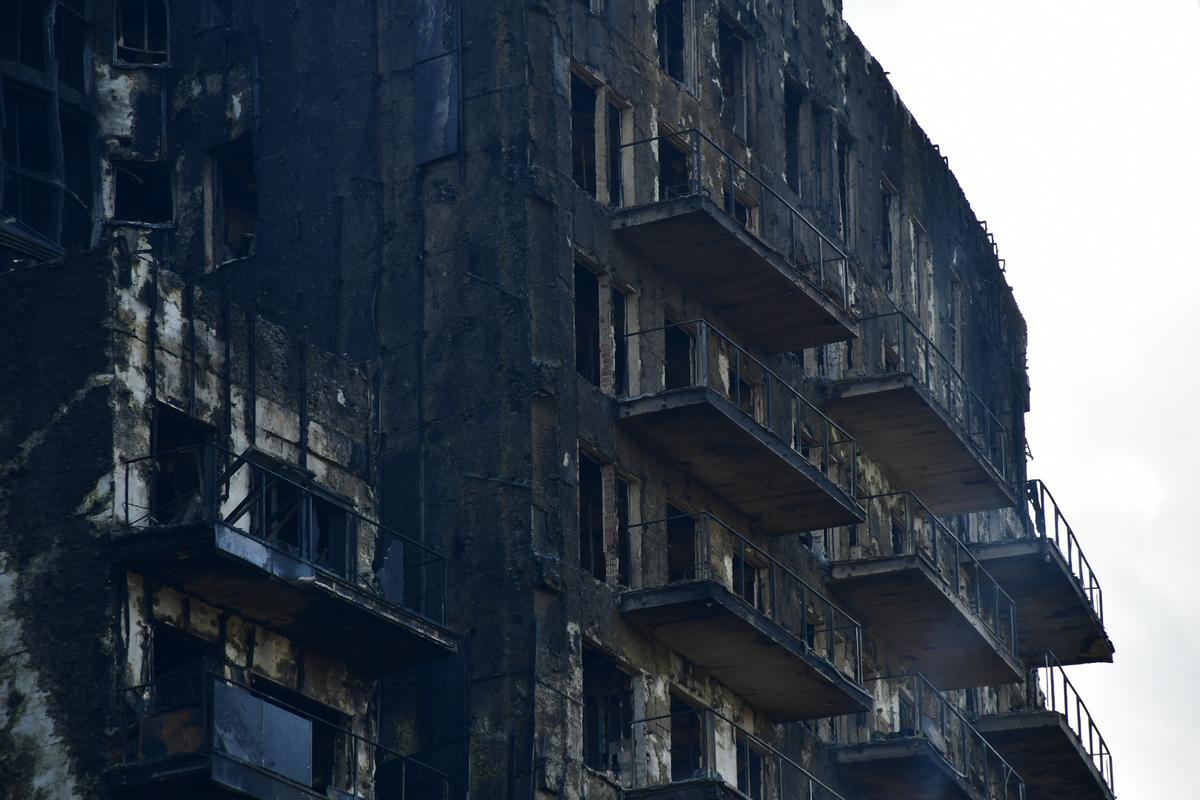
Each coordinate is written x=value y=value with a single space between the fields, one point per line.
x=702 y=336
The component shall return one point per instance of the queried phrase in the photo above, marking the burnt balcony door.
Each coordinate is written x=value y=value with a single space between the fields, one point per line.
x=681 y=545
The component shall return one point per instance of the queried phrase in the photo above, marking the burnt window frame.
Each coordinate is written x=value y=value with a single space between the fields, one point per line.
x=593 y=550
x=736 y=118
x=117 y=31
x=217 y=224
x=610 y=723
x=585 y=146
x=686 y=50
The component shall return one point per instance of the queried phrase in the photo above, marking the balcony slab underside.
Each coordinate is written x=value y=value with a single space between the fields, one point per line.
x=1053 y=611
x=918 y=445
x=695 y=789
x=902 y=768
x=919 y=614
x=710 y=626
x=704 y=434
x=236 y=572
x=1047 y=754
x=729 y=270
x=202 y=776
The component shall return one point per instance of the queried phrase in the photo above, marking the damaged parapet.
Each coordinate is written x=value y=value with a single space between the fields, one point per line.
x=919 y=745
x=739 y=427
x=745 y=251
x=1060 y=605
x=905 y=401
x=1053 y=740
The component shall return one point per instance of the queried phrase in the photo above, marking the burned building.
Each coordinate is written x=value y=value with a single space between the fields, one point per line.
x=570 y=399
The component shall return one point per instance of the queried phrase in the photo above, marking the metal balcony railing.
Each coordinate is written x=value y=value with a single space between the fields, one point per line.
x=693 y=739
x=904 y=526
x=1049 y=688
x=724 y=556
x=199 y=712
x=688 y=163
x=207 y=483
x=1049 y=523
x=894 y=344
x=712 y=360
x=918 y=710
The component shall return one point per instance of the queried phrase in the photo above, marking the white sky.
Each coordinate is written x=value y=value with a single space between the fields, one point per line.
x=1074 y=128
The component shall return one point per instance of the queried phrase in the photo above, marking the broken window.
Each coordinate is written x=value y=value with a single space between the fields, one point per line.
x=670 y=25
x=174 y=653
x=731 y=51
x=607 y=714
x=674 y=174
x=620 y=330
x=70 y=43
x=22 y=37
x=677 y=356
x=845 y=186
x=143 y=32
x=591 y=518
x=178 y=494
x=235 y=195
x=30 y=193
x=793 y=101
x=891 y=230
x=681 y=545
x=687 y=740
x=615 y=125
x=583 y=134
x=142 y=193
x=751 y=768
x=587 y=324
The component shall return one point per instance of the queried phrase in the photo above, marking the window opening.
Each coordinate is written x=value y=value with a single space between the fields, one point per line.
x=591 y=517
x=732 y=56
x=687 y=740
x=677 y=355
x=70 y=43
x=793 y=98
x=236 y=217
x=143 y=193
x=624 y=540
x=674 y=174
x=891 y=229
x=143 y=32
x=669 y=24
x=620 y=329
x=750 y=769
x=607 y=714
x=328 y=743
x=583 y=134
x=748 y=582
x=845 y=186
x=587 y=324
x=681 y=545
x=22 y=37
x=178 y=494
x=614 y=133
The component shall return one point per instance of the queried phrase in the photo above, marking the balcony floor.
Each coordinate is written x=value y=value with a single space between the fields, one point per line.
x=710 y=626
x=1047 y=754
x=241 y=574
x=704 y=434
x=732 y=272
x=695 y=789
x=920 y=448
x=1053 y=612
x=915 y=611
x=903 y=768
x=201 y=777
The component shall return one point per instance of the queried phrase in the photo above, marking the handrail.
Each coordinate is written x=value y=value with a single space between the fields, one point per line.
x=816 y=258
x=789 y=773
x=1061 y=697
x=958 y=741
x=786 y=598
x=922 y=533
x=294 y=517
x=1043 y=507
x=716 y=362
x=894 y=342
x=197 y=689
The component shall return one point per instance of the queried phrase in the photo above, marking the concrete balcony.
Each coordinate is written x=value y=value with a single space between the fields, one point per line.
x=922 y=747
x=1060 y=606
x=243 y=536
x=715 y=411
x=906 y=575
x=735 y=244
x=1054 y=743
x=723 y=603
x=201 y=735
x=914 y=413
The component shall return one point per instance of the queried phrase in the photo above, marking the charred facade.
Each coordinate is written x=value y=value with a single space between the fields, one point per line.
x=546 y=399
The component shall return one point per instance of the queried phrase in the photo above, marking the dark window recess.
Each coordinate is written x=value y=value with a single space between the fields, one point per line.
x=908 y=717
x=748 y=578
x=607 y=715
x=23 y=34
x=624 y=542
x=613 y=133
x=235 y=221
x=899 y=539
x=143 y=32
x=583 y=134
x=175 y=653
x=674 y=179
x=791 y=135
x=844 y=186
x=77 y=179
x=70 y=43
x=143 y=193
x=328 y=743
x=750 y=769
x=687 y=740
x=732 y=55
x=742 y=212
x=178 y=497
x=587 y=324
x=891 y=219
x=620 y=311
x=677 y=353
x=681 y=546
x=672 y=37
x=591 y=518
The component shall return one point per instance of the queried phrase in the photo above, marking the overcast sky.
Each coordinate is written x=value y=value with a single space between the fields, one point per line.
x=1074 y=127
